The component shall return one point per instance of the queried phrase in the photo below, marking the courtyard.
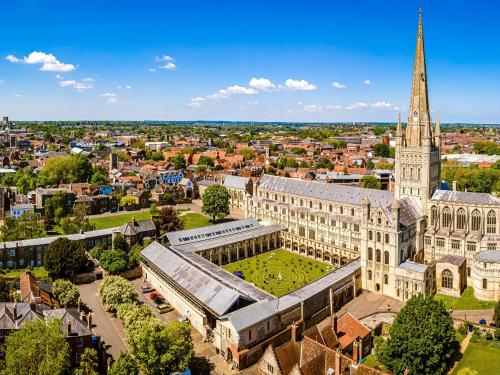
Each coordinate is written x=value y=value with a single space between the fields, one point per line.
x=480 y=357
x=279 y=272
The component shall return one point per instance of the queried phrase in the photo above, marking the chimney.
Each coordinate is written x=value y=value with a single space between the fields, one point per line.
x=69 y=328
x=355 y=351
x=134 y=222
x=454 y=186
x=338 y=361
x=89 y=321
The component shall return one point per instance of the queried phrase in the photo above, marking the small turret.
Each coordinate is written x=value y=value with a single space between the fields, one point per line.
x=437 y=132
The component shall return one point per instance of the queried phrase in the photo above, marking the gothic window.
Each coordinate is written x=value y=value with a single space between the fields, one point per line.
x=446 y=222
x=370 y=253
x=386 y=238
x=386 y=257
x=461 y=219
x=418 y=171
x=378 y=256
x=370 y=235
x=311 y=218
x=310 y=204
x=485 y=284
x=320 y=206
x=341 y=210
x=386 y=279
x=293 y=200
x=491 y=222
x=476 y=220
x=330 y=208
x=434 y=215
x=379 y=237
x=369 y=275
x=312 y=234
x=447 y=279
x=302 y=231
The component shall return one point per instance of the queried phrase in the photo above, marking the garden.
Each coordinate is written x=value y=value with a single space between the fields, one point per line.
x=279 y=272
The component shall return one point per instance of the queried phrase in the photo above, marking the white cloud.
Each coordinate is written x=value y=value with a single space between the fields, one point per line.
x=367 y=82
x=111 y=97
x=88 y=79
x=232 y=90
x=58 y=76
x=312 y=108
x=333 y=106
x=299 y=85
x=338 y=85
x=196 y=102
x=168 y=63
x=152 y=69
x=165 y=58
x=262 y=84
x=357 y=105
x=126 y=87
x=78 y=86
x=48 y=61
x=381 y=104
x=18 y=95
x=1 y=81
x=168 y=66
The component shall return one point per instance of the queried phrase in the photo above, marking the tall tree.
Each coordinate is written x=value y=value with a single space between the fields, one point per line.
x=371 y=182
x=88 y=363
x=25 y=227
x=65 y=258
x=6 y=289
x=215 y=201
x=56 y=207
x=421 y=339
x=115 y=291
x=381 y=150
x=124 y=365
x=168 y=220
x=78 y=222
x=161 y=348
x=178 y=161
x=38 y=347
x=66 y=293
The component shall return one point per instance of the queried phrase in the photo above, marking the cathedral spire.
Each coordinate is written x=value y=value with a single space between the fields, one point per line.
x=419 y=121
x=399 y=129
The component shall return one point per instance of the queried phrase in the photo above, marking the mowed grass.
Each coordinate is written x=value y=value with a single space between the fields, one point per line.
x=484 y=359
x=39 y=272
x=116 y=220
x=193 y=220
x=467 y=301
x=279 y=272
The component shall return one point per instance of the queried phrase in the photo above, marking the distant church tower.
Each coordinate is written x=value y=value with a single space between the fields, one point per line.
x=417 y=167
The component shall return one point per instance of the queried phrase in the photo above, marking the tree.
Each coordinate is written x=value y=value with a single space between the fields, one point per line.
x=27 y=354
x=127 y=200
x=56 y=206
x=25 y=227
x=153 y=210
x=215 y=202
x=124 y=365
x=371 y=182
x=206 y=160
x=115 y=291
x=114 y=261
x=161 y=348
x=66 y=293
x=84 y=167
x=65 y=259
x=134 y=255
x=99 y=176
x=324 y=163
x=119 y=243
x=6 y=289
x=421 y=339
x=369 y=164
x=178 y=161
x=381 y=150
x=496 y=315
x=88 y=363
x=168 y=221
x=132 y=314
x=247 y=153
x=79 y=221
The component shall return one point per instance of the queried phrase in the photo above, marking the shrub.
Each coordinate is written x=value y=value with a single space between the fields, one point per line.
x=488 y=336
x=114 y=261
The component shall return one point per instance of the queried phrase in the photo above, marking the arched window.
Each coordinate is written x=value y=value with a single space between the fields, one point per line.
x=370 y=235
x=491 y=222
x=386 y=257
x=386 y=238
x=378 y=255
x=369 y=275
x=446 y=218
x=370 y=253
x=341 y=210
x=461 y=217
x=447 y=279
x=434 y=215
x=330 y=208
x=379 y=237
x=476 y=220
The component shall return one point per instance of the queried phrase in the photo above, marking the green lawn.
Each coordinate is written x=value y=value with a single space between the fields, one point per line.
x=39 y=272
x=279 y=271
x=484 y=359
x=117 y=219
x=467 y=301
x=193 y=220
x=372 y=362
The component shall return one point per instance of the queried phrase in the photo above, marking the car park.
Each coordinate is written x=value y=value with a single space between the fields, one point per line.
x=146 y=289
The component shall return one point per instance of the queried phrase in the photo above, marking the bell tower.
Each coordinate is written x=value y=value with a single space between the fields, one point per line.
x=417 y=166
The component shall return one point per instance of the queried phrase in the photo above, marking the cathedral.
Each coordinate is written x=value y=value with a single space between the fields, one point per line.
x=415 y=239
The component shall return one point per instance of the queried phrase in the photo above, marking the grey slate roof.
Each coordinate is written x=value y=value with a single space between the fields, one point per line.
x=413 y=266
x=235 y=182
x=334 y=192
x=465 y=197
x=410 y=211
x=210 y=292
x=452 y=259
x=488 y=256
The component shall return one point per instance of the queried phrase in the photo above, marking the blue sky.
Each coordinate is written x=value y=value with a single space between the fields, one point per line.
x=186 y=60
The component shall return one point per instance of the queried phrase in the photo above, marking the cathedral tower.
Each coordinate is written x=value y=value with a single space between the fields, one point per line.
x=417 y=166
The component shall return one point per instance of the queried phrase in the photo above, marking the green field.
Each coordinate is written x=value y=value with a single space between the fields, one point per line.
x=193 y=220
x=484 y=359
x=467 y=301
x=117 y=219
x=39 y=272
x=279 y=272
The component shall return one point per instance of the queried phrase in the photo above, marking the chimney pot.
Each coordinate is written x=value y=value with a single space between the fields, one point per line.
x=69 y=328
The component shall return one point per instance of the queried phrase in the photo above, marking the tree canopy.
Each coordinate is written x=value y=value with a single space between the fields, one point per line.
x=215 y=202
x=421 y=339
x=371 y=182
x=25 y=227
x=178 y=161
x=115 y=291
x=65 y=259
x=27 y=354
x=78 y=222
x=168 y=220
x=66 y=293
x=382 y=150
x=124 y=365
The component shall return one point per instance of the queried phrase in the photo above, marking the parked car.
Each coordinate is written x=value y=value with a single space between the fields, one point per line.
x=164 y=307
x=147 y=289
x=482 y=321
x=154 y=295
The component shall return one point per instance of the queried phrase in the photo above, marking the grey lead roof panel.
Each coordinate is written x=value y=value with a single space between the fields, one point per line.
x=235 y=182
x=334 y=192
x=210 y=292
x=413 y=266
x=488 y=256
x=465 y=197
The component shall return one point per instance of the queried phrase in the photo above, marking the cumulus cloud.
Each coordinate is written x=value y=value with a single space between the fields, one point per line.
x=196 y=102
x=338 y=85
x=48 y=62
x=152 y=70
x=168 y=66
x=262 y=84
x=357 y=105
x=79 y=86
x=58 y=76
x=302 y=84
x=166 y=62
x=110 y=97
x=312 y=108
x=384 y=105
x=18 y=95
x=232 y=90
x=88 y=79
x=367 y=82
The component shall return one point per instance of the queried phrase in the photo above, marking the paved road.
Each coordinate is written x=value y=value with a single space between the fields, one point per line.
x=105 y=325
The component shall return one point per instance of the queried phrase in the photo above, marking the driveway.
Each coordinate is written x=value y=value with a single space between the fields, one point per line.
x=105 y=325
